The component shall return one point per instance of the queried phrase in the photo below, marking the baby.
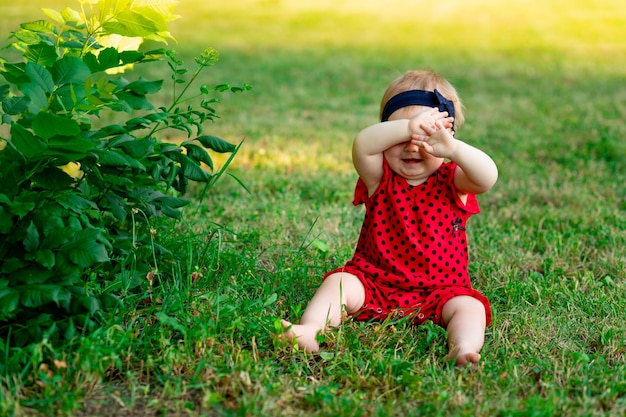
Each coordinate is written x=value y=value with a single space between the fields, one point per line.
x=419 y=185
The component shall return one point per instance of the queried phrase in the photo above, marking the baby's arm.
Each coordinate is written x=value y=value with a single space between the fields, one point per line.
x=370 y=143
x=476 y=172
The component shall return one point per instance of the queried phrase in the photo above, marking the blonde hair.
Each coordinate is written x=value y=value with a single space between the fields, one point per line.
x=427 y=80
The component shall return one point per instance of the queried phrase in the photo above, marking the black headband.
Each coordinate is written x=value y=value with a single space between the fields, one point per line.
x=418 y=98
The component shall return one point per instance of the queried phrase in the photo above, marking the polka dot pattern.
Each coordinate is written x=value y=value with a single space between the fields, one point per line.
x=412 y=254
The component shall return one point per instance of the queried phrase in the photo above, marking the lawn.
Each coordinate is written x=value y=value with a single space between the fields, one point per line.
x=543 y=87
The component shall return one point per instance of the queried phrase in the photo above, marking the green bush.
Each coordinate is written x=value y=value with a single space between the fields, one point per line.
x=77 y=195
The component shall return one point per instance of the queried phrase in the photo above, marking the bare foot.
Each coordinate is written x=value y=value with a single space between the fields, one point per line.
x=463 y=357
x=305 y=335
x=469 y=358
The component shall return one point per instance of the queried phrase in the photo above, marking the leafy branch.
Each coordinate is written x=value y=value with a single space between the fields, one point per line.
x=71 y=185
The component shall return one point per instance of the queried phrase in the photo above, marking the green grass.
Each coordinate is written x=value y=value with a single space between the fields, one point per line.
x=543 y=86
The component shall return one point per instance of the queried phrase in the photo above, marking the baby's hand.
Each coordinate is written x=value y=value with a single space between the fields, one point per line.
x=431 y=118
x=437 y=140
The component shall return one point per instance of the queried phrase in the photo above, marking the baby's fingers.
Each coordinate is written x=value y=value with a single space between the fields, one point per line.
x=446 y=123
x=429 y=129
x=416 y=138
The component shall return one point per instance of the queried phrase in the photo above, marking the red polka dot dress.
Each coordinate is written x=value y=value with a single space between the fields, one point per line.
x=412 y=254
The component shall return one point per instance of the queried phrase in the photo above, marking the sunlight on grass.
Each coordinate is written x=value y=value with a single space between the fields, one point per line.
x=571 y=27
x=456 y=26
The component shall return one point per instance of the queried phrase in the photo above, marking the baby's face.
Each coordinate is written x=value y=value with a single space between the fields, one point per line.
x=407 y=159
x=412 y=163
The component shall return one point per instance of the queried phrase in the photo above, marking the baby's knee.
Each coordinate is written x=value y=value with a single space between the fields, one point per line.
x=465 y=305
x=351 y=289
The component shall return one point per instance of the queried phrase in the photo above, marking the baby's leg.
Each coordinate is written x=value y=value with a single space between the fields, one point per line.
x=465 y=321
x=325 y=308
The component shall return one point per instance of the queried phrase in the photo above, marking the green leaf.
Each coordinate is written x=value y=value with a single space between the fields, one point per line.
x=21 y=208
x=87 y=248
x=271 y=300
x=70 y=15
x=41 y=53
x=53 y=178
x=117 y=206
x=5 y=90
x=159 y=12
x=134 y=101
x=34 y=296
x=15 y=73
x=72 y=148
x=28 y=37
x=171 y=175
x=171 y=212
x=75 y=202
x=91 y=303
x=53 y=14
x=320 y=245
x=131 y=57
x=32 y=275
x=177 y=124
x=24 y=141
x=245 y=87
x=138 y=123
x=222 y=87
x=156 y=117
x=38 y=99
x=172 y=201
x=193 y=171
x=215 y=143
x=70 y=96
x=92 y=62
x=155 y=54
x=70 y=69
x=55 y=231
x=42 y=26
x=121 y=139
x=40 y=76
x=131 y=24
x=31 y=238
x=108 y=58
x=9 y=300
x=45 y=258
x=15 y=105
x=138 y=148
x=111 y=130
x=121 y=181
x=47 y=125
x=11 y=265
x=144 y=87
x=76 y=43
x=6 y=222
x=198 y=153
x=113 y=157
